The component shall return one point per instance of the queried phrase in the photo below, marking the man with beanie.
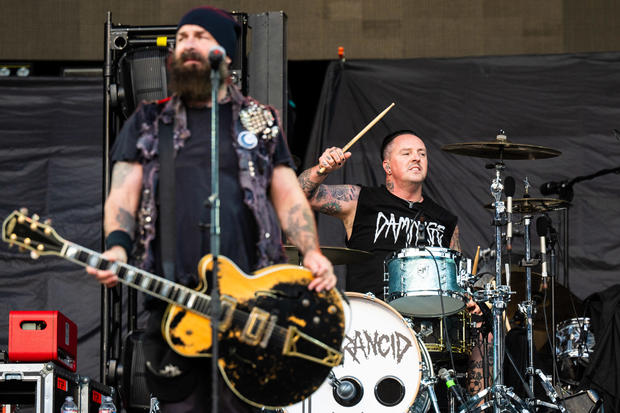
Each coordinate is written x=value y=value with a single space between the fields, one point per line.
x=259 y=193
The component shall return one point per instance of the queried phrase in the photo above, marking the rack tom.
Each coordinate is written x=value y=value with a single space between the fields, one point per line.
x=425 y=282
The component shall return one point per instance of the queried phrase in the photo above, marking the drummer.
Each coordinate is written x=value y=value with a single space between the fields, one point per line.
x=387 y=218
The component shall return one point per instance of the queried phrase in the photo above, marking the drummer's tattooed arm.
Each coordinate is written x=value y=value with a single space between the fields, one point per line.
x=332 y=200
x=455 y=242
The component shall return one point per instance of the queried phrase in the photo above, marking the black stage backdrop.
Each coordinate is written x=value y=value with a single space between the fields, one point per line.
x=567 y=102
x=51 y=155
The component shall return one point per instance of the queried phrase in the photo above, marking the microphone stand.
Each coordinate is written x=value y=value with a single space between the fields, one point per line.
x=552 y=276
x=215 y=230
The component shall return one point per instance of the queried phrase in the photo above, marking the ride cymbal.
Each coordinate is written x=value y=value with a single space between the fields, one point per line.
x=501 y=149
x=337 y=255
x=532 y=205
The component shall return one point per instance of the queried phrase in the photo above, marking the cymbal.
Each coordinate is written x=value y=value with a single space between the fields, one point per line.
x=501 y=149
x=530 y=205
x=337 y=255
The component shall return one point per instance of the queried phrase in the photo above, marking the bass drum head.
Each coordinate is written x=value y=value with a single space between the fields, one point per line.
x=382 y=364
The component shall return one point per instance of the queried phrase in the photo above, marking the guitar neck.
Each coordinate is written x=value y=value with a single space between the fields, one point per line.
x=139 y=279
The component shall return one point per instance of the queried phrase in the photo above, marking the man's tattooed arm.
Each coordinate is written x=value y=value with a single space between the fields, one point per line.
x=334 y=200
x=122 y=202
x=300 y=229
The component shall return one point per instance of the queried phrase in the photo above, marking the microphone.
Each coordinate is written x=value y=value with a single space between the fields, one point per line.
x=509 y=189
x=542 y=227
x=216 y=56
x=446 y=375
x=421 y=233
x=345 y=390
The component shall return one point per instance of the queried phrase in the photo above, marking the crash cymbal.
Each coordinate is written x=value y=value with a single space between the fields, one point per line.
x=531 y=205
x=501 y=149
x=337 y=255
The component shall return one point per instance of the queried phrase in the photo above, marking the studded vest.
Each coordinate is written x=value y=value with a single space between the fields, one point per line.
x=256 y=128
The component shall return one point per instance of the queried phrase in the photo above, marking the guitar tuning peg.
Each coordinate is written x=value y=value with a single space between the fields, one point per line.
x=27 y=241
x=48 y=221
x=35 y=217
x=33 y=224
x=34 y=255
x=21 y=219
x=23 y=211
x=40 y=247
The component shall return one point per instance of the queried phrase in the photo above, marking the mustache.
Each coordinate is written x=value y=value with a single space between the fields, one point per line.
x=192 y=55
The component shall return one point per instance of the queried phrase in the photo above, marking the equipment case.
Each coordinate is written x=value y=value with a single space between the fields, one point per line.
x=44 y=387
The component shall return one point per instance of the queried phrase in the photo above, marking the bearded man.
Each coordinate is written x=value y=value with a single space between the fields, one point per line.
x=259 y=195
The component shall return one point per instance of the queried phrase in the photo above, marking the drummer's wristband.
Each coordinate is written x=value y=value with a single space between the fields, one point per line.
x=120 y=238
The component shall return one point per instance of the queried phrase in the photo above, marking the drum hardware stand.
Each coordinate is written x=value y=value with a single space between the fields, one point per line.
x=499 y=296
x=551 y=393
x=528 y=263
x=429 y=384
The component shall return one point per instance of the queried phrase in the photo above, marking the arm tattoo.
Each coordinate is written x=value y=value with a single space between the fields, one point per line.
x=119 y=173
x=331 y=198
x=300 y=229
x=330 y=208
x=308 y=186
x=126 y=221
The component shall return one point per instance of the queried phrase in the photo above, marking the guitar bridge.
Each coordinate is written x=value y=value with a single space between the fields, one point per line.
x=255 y=327
x=332 y=357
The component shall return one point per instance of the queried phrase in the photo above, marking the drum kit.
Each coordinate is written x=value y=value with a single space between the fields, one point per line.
x=393 y=348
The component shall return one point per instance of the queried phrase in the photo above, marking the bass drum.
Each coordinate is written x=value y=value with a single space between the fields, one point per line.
x=382 y=369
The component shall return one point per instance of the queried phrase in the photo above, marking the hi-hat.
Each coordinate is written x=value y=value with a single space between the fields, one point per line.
x=501 y=149
x=532 y=205
x=337 y=255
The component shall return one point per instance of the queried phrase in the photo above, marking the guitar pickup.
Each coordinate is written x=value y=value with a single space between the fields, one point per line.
x=332 y=357
x=255 y=327
x=229 y=304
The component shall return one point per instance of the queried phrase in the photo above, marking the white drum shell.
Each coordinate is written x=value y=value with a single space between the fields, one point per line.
x=378 y=344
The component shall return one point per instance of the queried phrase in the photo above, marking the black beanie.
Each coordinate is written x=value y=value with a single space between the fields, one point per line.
x=222 y=26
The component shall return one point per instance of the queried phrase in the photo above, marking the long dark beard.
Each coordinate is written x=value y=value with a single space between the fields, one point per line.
x=193 y=84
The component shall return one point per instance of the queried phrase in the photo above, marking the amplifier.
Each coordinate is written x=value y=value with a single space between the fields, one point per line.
x=43 y=336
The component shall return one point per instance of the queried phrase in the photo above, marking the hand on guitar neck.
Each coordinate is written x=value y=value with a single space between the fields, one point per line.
x=107 y=277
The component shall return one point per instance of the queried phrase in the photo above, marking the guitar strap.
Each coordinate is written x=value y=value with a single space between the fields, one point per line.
x=167 y=198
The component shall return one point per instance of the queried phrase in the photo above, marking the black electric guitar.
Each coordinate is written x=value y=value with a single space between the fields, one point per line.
x=278 y=340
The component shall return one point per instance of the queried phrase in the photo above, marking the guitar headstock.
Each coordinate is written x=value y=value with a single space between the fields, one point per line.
x=30 y=234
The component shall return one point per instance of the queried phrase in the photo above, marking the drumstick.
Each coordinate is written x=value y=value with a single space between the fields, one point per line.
x=362 y=132
x=475 y=267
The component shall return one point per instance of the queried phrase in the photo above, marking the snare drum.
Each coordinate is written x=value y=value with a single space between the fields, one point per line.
x=383 y=362
x=433 y=334
x=420 y=281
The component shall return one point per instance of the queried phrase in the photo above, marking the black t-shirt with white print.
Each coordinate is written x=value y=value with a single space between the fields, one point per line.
x=385 y=223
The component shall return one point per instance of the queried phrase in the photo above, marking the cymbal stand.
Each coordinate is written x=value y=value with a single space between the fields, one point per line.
x=503 y=399
x=527 y=304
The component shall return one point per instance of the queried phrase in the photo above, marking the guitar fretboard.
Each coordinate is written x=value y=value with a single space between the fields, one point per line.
x=142 y=280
